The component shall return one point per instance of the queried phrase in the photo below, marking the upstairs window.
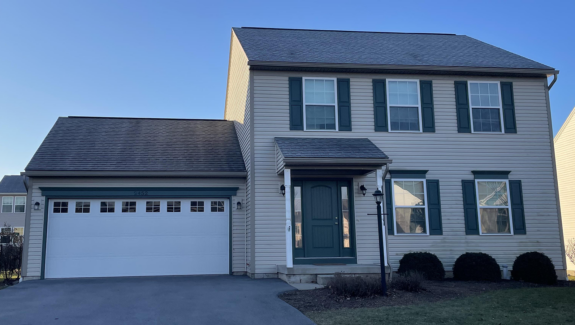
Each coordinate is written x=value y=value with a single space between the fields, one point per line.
x=404 y=107
x=320 y=104
x=7 y=202
x=20 y=204
x=486 y=112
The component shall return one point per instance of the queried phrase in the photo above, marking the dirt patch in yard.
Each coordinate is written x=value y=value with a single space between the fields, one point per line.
x=324 y=299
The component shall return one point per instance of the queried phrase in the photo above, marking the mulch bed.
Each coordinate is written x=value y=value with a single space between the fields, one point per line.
x=324 y=299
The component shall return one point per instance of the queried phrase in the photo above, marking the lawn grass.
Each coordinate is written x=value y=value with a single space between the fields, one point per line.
x=513 y=306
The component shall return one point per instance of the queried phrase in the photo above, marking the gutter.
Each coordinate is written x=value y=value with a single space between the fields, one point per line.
x=553 y=81
x=307 y=65
x=48 y=173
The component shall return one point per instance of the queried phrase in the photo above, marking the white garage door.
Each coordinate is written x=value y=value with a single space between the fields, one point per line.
x=129 y=237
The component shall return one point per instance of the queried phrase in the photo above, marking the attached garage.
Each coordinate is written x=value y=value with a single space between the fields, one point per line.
x=136 y=197
x=137 y=237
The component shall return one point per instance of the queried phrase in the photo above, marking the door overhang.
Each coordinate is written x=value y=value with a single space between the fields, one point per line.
x=328 y=156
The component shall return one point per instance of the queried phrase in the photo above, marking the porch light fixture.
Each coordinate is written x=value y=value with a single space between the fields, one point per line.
x=239 y=205
x=378 y=196
x=283 y=189
x=37 y=206
x=363 y=189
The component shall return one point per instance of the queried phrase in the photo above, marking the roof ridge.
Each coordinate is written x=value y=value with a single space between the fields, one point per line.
x=348 y=31
x=146 y=118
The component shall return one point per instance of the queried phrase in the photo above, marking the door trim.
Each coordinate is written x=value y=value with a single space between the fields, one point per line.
x=298 y=181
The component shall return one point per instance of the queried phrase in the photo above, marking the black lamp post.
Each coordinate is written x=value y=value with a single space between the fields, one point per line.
x=378 y=196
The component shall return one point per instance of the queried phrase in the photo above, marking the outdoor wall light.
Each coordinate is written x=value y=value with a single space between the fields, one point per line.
x=239 y=205
x=378 y=196
x=37 y=206
x=283 y=189
x=363 y=190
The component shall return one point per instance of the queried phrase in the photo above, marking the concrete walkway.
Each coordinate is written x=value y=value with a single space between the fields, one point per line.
x=148 y=300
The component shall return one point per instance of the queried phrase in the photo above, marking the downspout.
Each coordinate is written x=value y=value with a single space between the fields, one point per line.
x=553 y=81
x=385 y=172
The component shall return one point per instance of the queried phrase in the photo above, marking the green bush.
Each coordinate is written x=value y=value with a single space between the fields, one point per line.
x=424 y=263
x=412 y=282
x=355 y=286
x=534 y=267
x=476 y=267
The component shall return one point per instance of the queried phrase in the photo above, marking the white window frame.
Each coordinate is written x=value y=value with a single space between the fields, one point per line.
x=389 y=106
x=314 y=104
x=167 y=206
x=491 y=107
x=67 y=207
x=198 y=206
x=497 y=207
x=2 y=205
x=224 y=206
x=405 y=206
x=25 y=200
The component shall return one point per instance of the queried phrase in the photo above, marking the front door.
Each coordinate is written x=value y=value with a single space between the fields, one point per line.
x=323 y=222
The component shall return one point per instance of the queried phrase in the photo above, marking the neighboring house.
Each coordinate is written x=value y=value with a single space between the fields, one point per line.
x=13 y=199
x=456 y=132
x=565 y=158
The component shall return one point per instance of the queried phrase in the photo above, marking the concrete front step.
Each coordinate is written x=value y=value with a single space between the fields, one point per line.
x=323 y=273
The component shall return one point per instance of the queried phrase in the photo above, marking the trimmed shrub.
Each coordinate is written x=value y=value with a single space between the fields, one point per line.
x=424 y=263
x=355 y=286
x=476 y=267
x=534 y=267
x=412 y=282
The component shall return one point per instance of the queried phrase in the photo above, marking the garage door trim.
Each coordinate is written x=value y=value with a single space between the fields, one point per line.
x=134 y=192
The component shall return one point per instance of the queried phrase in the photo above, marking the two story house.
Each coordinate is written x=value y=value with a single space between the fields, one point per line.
x=454 y=131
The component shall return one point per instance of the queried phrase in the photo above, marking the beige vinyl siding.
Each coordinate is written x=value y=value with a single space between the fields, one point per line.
x=448 y=155
x=238 y=110
x=33 y=263
x=565 y=160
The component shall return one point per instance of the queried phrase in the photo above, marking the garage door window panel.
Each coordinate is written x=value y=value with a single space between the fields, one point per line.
x=60 y=207
x=107 y=206
x=174 y=206
x=152 y=206
x=218 y=206
x=82 y=207
x=128 y=206
x=197 y=206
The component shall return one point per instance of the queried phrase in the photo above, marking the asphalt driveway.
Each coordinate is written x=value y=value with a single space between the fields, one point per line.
x=148 y=300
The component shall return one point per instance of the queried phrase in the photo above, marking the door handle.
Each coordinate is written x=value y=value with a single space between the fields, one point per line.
x=336 y=223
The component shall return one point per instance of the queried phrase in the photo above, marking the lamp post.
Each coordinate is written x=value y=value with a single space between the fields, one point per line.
x=378 y=196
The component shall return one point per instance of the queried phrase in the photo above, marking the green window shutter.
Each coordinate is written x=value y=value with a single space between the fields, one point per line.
x=344 y=104
x=462 y=106
x=434 y=206
x=427 y=114
x=380 y=105
x=295 y=103
x=517 y=211
x=470 y=208
x=389 y=208
x=508 y=107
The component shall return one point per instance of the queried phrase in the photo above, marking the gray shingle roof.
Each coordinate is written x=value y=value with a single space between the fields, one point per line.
x=139 y=144
x=358 y=148
x=373 y=48
x=12 y=184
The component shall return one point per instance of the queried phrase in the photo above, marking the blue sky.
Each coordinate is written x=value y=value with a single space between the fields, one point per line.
x=169 y=58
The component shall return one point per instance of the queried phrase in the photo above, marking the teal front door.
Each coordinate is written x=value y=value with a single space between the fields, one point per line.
x=321 y=219
x=323 y=222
